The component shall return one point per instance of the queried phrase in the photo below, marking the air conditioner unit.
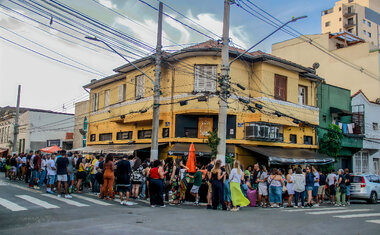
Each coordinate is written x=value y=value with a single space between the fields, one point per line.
x=249 y=131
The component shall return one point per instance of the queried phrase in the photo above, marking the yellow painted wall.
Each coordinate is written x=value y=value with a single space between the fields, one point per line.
x=178 y=84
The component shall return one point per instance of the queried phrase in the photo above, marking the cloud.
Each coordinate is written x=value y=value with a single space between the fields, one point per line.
x=108 y=3
x=184 y=32
x=209 y=21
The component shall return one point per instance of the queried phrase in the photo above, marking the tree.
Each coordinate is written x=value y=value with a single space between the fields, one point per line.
x=331 y=142
x=213 y=141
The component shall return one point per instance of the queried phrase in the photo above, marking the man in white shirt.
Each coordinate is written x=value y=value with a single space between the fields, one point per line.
x=331 y=182
x=51 y=172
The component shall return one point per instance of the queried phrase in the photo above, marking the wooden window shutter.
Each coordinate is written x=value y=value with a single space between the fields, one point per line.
x=280 y=87
x=140 y=86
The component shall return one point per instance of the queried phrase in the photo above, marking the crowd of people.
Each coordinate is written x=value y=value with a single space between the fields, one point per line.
x=228 y=186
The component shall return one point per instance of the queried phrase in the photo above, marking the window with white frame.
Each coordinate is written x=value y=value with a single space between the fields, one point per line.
x=106 y=98
x=302 y=95
x=205 y=78
x=140 y=87
x=94 y=102
x=361 y=162
x=121 y=93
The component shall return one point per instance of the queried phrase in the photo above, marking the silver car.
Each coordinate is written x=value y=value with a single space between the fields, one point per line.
x=365 y=187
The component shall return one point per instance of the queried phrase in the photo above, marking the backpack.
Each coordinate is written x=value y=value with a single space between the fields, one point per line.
x=342 y=184
x=79 y=161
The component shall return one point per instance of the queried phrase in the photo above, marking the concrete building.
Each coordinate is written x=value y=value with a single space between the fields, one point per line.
x=344 y=60
x=80 y=129
x=335 y=108
x=40 y=128
x=274 y=127
x=366 y=116
x=359 y=17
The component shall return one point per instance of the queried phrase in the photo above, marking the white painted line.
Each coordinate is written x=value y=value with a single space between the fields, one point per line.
x=25 y=188
x=336 y=211
x=376 y=221
x=37 y=201
x=67 y=201
x=357 y=215
x=129 y=202
x=2 y=183
x=314 y=209
x=96 y=201
x=11 y=206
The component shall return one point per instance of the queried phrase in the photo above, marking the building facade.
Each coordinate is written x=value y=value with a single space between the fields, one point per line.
x=344 y=60
x=80 y=127
x=359 y=17
x=40 y=128
x=272 y=106
x=366 y=115
x=335 y=108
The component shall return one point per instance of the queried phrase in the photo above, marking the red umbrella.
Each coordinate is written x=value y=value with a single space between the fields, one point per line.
x=191 y=160
x=51 y=149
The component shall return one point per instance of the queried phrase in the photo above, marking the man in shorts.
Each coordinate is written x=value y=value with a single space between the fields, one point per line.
x=197 y=184
x=262 y=177
x=51 y=174
x=62 y=173
x=321 y=188
x=123 y=180
x=209 y=192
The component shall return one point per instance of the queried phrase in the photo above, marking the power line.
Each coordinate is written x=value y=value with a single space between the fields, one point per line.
x=48 y=57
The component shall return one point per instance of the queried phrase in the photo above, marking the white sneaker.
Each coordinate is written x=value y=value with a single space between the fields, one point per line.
x=59 y=195
x=295 y=207
x=163 y=206
x=316 y=205
x=68 y=196
x=123 y=203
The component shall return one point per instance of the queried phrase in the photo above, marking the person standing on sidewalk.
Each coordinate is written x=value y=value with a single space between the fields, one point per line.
x=123 y=179
x=322 y=187
x=299 y=187
x=197 y=184
x=331 y=181
x=262 y=177
x=92 y=174
x=51 y=174
x=208 y=179
x=41 y=181
x=109 y=177
x=156 y=184
x=309 y=185
x=28 y=166
x=62 y=173
x=316 y=185
x=290 y=186
x=235 y=178
x=217 y=178
x=341 y=189
x=347 y=175
x=36 y=160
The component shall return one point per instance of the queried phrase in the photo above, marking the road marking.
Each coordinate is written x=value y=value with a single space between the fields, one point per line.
x=357 y=215
x=2 y=183
x=314 y=209
x=11 y=206
x=96 y=201
x=25 y=188
x=129 y=202
x=67 y=201
x=37 y=201
x=376 y=221
x=336 y=211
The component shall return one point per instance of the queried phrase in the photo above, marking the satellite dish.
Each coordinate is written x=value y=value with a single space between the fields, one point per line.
x=315 y=65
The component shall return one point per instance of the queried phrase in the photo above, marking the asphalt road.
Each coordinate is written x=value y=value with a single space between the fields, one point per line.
x=29 y=211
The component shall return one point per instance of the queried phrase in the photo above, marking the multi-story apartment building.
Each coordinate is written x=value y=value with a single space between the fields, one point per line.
x=359 y=17
x=276 y=126
x=366 y=116
x=335 y=107
x=343 y=60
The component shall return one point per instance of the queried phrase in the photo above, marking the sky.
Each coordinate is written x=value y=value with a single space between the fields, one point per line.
x=49 y=57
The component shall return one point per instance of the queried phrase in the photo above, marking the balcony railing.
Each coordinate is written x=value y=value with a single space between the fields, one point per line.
x=349 y=25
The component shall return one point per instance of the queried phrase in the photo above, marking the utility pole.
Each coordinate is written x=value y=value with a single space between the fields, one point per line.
x=15 y=131
x=157 y=90
x=224 y=77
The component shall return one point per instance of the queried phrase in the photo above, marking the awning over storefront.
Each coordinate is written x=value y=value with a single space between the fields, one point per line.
x=2 y=150
x=290 y=156
x=201 y=150
x=127 y=149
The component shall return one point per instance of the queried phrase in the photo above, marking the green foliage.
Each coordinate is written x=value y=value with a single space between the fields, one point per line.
x=213 y=141
x=230 y=160
x=331 y=142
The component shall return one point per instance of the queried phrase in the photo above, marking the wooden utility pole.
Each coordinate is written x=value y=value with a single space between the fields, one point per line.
x=15 y=130
x=224 y=80
x=157 y=90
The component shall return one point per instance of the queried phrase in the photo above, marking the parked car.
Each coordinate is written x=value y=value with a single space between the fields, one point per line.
x=365 y=187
